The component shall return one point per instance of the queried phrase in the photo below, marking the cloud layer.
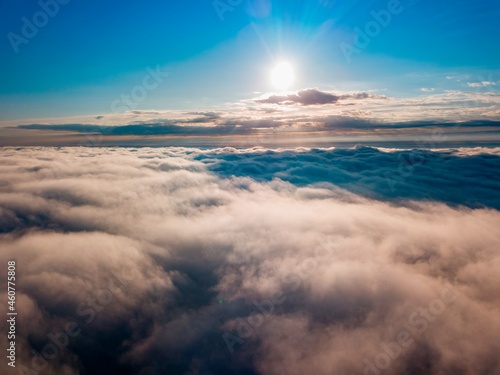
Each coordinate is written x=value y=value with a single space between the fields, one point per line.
x=178 y=261
x=447 y=176
x=311 y=114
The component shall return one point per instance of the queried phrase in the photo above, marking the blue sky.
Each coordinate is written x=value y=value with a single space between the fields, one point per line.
x=252 y=187
x=91 y=52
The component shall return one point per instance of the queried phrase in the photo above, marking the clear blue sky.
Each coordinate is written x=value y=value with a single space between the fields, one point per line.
x=91 y=52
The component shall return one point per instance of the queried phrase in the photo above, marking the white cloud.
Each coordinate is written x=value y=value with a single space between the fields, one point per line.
x=481 y=84
x=201 y=246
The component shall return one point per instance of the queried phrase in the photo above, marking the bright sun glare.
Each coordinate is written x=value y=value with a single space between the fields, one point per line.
x=282 y=76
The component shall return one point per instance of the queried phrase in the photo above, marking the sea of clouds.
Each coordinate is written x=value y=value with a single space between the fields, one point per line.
x=223 y=261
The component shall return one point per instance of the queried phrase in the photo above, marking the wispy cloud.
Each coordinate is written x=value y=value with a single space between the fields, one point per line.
x=481 y=84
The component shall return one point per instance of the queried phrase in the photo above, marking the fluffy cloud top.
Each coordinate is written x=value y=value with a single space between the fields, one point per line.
x=445 y=176
x=177 y=261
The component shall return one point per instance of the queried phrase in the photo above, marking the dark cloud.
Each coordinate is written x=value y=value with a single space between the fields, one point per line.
x=212 y=115
x=313 y=97
x=204 y=117
x=312 y=125
x=168 y=262
x=241 y=126
x=304 y=97
x=166 y=128
x=137 y=112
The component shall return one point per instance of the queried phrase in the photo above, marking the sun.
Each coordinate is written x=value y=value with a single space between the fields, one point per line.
x=282 y=76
